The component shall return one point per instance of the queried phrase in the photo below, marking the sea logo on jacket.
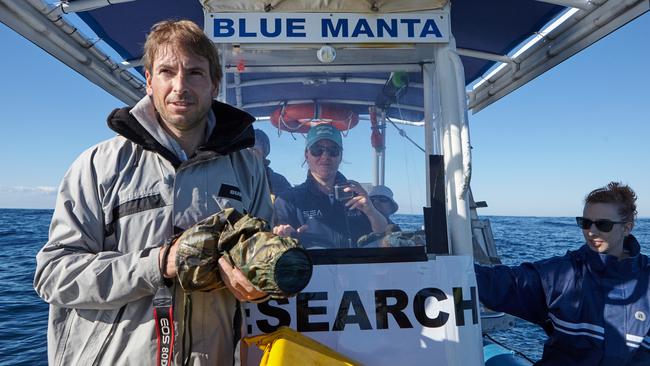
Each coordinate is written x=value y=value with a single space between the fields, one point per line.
x=640 y=315
x=312 y=214
x=353 y=213
x=228 y=191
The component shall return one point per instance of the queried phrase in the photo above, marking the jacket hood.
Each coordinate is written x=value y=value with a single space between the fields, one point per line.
x=233 y=132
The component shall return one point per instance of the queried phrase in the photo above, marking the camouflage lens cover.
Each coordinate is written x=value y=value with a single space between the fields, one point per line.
x=198 y=253
x=276 y=265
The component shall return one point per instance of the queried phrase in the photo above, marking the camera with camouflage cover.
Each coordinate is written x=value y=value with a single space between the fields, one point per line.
x=276 y=265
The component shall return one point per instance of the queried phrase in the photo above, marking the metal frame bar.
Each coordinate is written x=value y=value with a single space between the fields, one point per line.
x=328 y=68
x=428 y=75
x=85 y=5
x=484 y=55
x=132 y=63
x=582 y=29
x=45 y=27
x=381 y=155
x=237 y=86
x=306 y=80
x=346 y=101
x=580 y=4
x=223 y=88
x=365 y=118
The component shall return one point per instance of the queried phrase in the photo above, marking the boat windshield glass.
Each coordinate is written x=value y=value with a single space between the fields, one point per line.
x=332 y=141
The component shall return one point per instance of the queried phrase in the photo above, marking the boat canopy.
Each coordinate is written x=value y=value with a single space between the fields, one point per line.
x=502 y=45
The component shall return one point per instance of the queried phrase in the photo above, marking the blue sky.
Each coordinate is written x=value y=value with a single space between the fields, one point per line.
x=536 y=152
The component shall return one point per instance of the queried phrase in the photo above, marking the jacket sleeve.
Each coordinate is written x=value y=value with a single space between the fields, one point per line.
x=279 y=183
x=73 y=270
x=284 y=211
x=261 y=205
x=514 y=290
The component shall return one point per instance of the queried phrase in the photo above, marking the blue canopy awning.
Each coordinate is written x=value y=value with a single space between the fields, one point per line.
x=489 y=26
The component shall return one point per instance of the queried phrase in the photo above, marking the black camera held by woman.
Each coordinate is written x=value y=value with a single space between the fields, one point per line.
x=342 y=195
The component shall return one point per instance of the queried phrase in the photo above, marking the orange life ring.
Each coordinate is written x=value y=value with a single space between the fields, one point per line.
x=301 y=117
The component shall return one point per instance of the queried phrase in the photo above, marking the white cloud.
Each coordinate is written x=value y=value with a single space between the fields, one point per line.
x=28 y=197
x=46 y=190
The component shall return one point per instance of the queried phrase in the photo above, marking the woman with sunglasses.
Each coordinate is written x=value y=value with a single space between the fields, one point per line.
x=593 y=302
x=327 y=210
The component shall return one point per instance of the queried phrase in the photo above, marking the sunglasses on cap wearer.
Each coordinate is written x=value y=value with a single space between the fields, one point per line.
x=603 y=225
x=319 y=150
x=380 y=199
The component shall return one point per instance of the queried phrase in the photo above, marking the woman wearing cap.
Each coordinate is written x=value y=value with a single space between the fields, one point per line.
x=317 y=213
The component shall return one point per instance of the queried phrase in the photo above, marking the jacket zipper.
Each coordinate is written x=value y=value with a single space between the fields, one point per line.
x=110 y=335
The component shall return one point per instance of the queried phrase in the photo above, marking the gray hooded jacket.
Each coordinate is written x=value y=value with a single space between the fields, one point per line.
x=120 y=200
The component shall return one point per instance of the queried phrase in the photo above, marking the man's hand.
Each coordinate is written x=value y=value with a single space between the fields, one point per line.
x=237 y=283
x=169 y=271
x=288 y=230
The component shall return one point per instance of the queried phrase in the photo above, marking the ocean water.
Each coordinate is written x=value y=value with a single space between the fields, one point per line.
x=23 y=315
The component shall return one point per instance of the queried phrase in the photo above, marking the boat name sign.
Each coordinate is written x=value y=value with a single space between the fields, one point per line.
x=427 y=27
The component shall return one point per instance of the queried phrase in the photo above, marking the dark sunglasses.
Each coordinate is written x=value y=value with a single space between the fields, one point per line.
x=380 y=199
x=603 y=225
x=319 y=150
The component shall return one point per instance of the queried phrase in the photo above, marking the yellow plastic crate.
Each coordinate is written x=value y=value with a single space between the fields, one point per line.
x=285 y=346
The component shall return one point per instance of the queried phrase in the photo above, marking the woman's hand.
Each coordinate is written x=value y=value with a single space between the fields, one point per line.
x=288 y=230
x=360 y=201
x=363 y=203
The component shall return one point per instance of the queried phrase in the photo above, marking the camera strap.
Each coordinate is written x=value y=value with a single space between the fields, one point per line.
x=163 y=313
x=347 y=226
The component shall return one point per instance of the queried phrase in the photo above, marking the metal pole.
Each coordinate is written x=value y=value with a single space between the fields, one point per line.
x=375 y=168
x=427 y=81
x=382 y=154
x=372 y=115
x=223 y=92
x=456 y=149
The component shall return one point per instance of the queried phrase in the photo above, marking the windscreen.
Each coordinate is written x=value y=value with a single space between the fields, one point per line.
x=345 y=159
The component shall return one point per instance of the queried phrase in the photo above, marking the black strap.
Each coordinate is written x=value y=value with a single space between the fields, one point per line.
x=187 y=330
x=347 y=227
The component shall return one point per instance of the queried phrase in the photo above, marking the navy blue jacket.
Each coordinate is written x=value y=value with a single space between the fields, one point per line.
x=277 y=182
x=595 y=308
x=331 y=224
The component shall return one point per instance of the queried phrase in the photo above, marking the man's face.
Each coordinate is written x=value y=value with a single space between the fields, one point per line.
x=605 y=242
x=181 y=88
x=324 y=165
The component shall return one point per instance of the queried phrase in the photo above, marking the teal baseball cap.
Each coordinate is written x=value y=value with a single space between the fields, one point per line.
x=324 y=131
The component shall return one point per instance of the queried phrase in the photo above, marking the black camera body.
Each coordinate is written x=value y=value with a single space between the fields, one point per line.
x=340 y=195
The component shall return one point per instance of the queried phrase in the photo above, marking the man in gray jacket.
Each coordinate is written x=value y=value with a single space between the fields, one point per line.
x=178 y=158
